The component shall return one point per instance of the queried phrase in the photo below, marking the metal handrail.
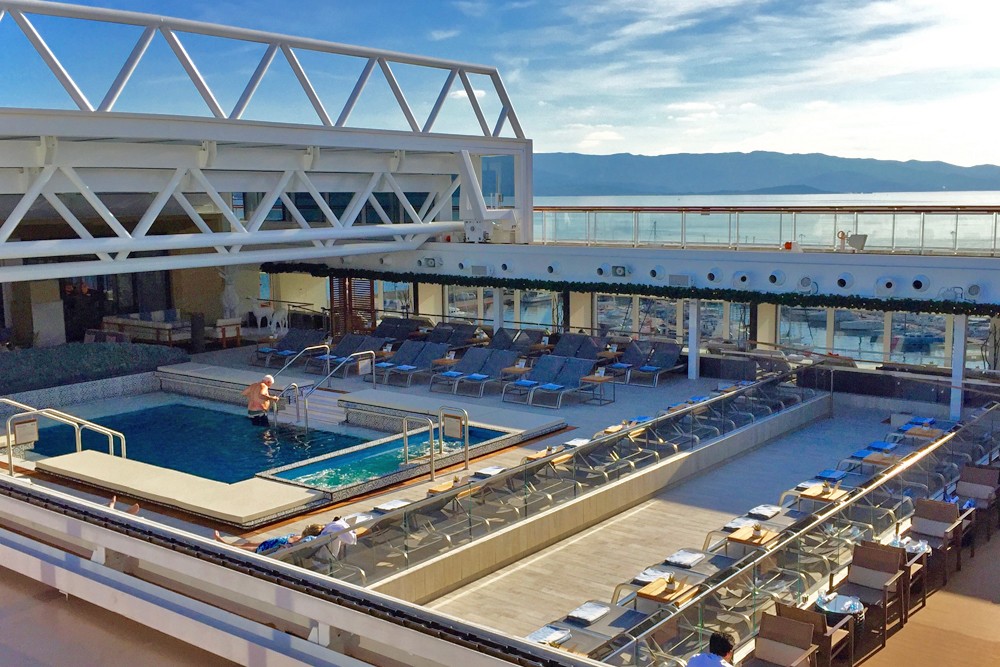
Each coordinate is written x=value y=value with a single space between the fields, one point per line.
x=330 y=371
x=282 y=394
x=430 y=439
x=321 y=346
x=57 y=415
x=463 y=416
x=834 y=508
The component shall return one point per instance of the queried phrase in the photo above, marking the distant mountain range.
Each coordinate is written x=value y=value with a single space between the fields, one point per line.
x=760 y=172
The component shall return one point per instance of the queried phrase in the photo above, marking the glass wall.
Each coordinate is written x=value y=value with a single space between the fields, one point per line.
x=509 y=312
x=982 y=345
x=919 y=338
x=462 y=303
x=858 y=334
x=397 y=299
x=539 y=309
x=613 y=314
x=657 y=317
x=803 y=328
x=739 y=322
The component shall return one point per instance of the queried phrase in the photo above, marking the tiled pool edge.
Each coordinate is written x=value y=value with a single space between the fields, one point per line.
x=85 y=392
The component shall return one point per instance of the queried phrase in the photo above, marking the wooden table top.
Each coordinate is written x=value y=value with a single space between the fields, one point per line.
x=444 y=362
x=516 y=370
x=657 y=591
x=610 y=354
x=826 y=495
x=745 y=536
x=924 y=432
x=542 y=453
x=880 y=459
x=596 y=379
x=441 y=488
x=542 y=347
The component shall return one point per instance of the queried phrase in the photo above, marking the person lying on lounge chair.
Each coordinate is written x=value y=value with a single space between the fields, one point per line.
x=132 y=509
x=308 y=533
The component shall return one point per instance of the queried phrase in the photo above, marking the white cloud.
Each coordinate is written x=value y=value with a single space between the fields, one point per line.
x=439 y=35
x=598 y=138
x=461 y=95
x=473 y=8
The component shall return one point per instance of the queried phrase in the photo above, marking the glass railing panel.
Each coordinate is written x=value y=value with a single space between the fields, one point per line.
x=540 y=226
x=906 y=230
x=614 y=227
x=569 y=226
x=975 y=232
x=940 y=231
x=659 y=228
x=816 y=230
x=878 y=227
x=762 y=229
x=709 y=228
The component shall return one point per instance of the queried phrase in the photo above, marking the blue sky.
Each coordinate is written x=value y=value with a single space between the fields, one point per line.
x=906 y=79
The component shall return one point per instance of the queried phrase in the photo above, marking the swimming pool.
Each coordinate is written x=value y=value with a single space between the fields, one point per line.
x=337 y=471
x=217 y=445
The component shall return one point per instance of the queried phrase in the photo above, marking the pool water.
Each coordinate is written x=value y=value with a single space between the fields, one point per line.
x=216 y=445
x=338 y=471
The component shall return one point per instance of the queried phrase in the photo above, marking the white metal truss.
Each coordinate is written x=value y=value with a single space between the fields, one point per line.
x=97 y=189
x=171 y=30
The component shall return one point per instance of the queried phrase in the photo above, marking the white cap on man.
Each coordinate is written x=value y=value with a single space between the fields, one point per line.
x=268 y=380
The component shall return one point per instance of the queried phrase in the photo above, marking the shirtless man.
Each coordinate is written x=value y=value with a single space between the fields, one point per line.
x=259 y=400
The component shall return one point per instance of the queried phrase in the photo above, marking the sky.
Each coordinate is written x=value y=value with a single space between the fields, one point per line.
x=899 y=80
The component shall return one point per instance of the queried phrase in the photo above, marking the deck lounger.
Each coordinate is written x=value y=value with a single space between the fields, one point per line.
x=662 y=360
x=471 y=362
x=632 y=357
x=544 y=371
x=461 y=335
x=568 y=344
x=567 y=381
x=440 y=333
x=502 y=340
x=344 y=347
x=346 y=364
x=421 y=364
x=404 y=356
x=288 y=346
x=589 y=348
x=490 y=373
x=525 y=339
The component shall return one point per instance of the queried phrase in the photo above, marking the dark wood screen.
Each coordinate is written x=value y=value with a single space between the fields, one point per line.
x=352 y=305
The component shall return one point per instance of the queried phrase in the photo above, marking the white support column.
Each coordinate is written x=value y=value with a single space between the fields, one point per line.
x=694 y=339
x=726 y=322
x=959 y=338
x=887 y=336
x=679 y=318
x=831 y=326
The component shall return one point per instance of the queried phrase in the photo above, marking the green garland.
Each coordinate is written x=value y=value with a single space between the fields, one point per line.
x=793 y=299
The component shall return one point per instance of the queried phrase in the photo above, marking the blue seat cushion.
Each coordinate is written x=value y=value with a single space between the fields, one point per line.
x=699 y=399
x=922 y=421
x=452 y=374
x=525 y=383
x=831 y=475
x=880 y=446
x=267 y=350
x=384 y=364
x=620 y=366
x=478 y=377
x=406 y=367
x=649 y=369
x=287 y=353
x=324 y=357
x=861 y=454
x=552 y=387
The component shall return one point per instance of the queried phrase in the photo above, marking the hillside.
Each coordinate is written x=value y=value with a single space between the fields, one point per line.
x=760 y=172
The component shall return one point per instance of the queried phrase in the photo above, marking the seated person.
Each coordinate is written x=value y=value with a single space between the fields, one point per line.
x=720 y=652
x=345 y=535
x=308 y=533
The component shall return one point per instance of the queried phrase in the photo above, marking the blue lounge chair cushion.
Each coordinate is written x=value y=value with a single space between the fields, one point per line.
x=478 y=377
x=384 y=364
x=551 y=387
x=922 y=421
x=641 y=418
x=831 y=475
x=880 y=446
x=324 y=357
x=451 y=374
x=699 y=399
x=406 y=367
x=287 y=353
x=649 y=369
x=620 y=366
x=267 y=350
x=861 y=454
x=525 y=383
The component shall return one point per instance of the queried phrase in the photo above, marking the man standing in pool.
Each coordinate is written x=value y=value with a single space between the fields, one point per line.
x=259 y=400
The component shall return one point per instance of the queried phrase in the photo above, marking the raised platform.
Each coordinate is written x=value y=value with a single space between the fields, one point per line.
x=246 y=504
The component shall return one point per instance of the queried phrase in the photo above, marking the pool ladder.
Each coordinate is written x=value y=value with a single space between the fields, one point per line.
x=444 y=412
x=78 y=424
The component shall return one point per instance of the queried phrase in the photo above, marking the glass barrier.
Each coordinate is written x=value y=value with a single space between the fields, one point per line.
x=391 y=539
x=816 y=528
x=887 y=228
